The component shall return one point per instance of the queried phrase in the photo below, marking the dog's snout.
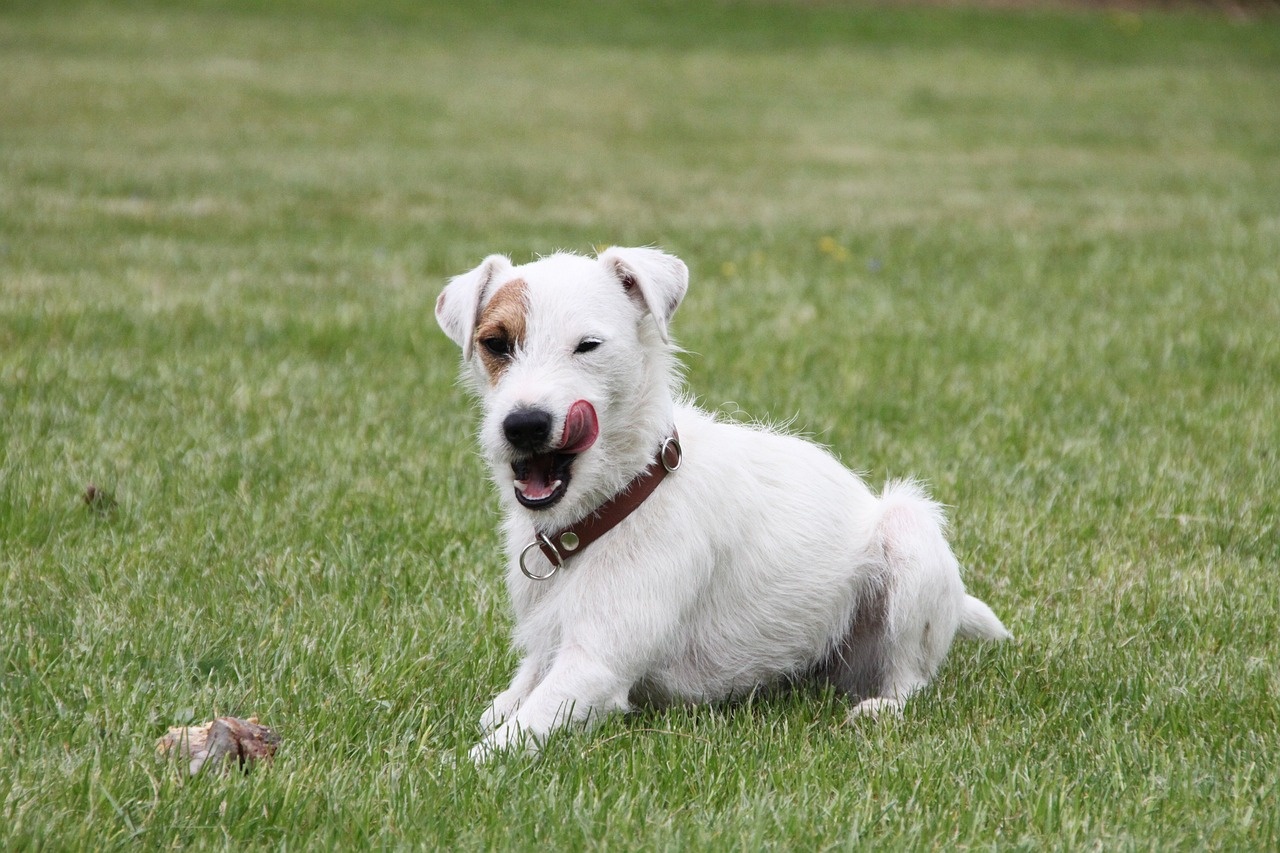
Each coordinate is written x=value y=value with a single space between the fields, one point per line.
x=527 y=429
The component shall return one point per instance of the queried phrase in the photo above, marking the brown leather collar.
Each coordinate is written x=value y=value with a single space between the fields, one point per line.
x=570 y=541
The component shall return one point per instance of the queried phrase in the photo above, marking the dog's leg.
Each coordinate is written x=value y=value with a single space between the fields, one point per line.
x=578 y=686
x=878 y=706
x=506 y=702
x=921 y=601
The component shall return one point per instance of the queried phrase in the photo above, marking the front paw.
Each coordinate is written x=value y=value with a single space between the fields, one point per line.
x=483 y=752
x=505 y=738
x=502 y=708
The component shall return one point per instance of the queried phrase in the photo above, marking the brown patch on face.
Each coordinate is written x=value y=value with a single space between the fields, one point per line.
x=501 y=328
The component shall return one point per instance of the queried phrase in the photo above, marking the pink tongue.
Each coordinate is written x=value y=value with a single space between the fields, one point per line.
x=537 y=489
x=580 y=428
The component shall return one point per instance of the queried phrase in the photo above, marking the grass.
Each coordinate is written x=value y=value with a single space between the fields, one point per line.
x=1027 y=256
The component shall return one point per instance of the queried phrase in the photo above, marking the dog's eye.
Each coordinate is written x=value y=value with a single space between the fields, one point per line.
x=497 y=346
x=588 y=344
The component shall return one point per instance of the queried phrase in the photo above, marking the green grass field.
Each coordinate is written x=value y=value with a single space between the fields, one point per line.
x=1030 y=257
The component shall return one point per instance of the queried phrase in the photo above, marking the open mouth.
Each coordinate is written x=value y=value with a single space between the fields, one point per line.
x=541 y=479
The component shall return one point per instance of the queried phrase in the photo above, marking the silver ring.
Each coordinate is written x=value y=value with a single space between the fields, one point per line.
x=536 y=543
x=673 y=443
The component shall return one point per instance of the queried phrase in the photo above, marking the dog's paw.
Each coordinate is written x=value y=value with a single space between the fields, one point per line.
x=507 y=738
x=879 y=706
x=483 y=752
x=490 y=720
x=501 y=709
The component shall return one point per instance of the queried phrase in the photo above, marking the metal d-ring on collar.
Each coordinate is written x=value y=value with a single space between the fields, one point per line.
x=559 y=546
x=540 y=542
x=671 y=445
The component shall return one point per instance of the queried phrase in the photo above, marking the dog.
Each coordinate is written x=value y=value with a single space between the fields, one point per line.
x=724 y=558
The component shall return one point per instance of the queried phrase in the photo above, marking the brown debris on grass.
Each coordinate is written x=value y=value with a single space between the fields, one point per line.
x=220 y=740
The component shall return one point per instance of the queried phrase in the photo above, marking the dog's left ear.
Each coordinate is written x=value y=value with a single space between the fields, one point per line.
x=656 y=280
x=458 y=306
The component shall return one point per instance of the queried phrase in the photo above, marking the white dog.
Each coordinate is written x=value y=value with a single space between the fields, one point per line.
x=725 y=557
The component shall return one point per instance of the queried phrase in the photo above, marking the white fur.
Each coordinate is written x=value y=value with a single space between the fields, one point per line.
x=759 y=559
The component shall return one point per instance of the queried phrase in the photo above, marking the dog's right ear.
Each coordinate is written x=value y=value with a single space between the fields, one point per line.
x=458 y=308
x=653 y=278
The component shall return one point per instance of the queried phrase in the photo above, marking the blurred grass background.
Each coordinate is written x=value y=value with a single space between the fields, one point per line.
x=1029 y=255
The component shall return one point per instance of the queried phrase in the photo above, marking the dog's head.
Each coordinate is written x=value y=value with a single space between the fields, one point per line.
x=573 y=361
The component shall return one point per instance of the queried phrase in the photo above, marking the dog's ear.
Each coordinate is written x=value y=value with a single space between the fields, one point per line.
x=655 y=279
x=458 y=308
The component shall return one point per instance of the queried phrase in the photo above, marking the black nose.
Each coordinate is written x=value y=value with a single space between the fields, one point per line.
x=527 y=429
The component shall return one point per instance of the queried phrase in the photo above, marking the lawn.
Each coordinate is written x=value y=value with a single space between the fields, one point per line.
x=1031 y=257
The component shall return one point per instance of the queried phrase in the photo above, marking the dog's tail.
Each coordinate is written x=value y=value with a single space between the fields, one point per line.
x=978 y=622
x=910 y=520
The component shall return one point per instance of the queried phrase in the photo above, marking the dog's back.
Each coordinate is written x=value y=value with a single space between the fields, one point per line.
x=803 y=569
